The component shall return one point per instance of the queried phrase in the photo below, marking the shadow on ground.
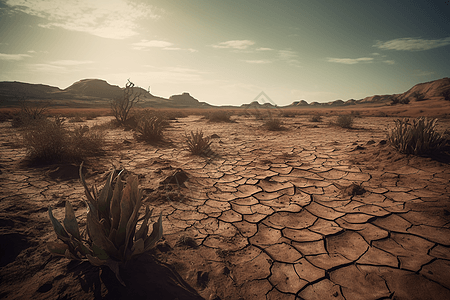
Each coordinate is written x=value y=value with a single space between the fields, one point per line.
x=145 y=278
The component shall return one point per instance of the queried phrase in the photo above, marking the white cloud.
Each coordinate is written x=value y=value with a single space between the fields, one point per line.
x=289 y=56
x=349 y=61
x=264 y=49
x=389 y=62
x=70 y=62
x=114 y=19
x=258 y=61
x=13 y=57
x=412 y=44
x=235 y=44
x=145 y=44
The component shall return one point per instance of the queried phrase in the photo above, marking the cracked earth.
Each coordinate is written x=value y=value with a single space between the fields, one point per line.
x=313 y=212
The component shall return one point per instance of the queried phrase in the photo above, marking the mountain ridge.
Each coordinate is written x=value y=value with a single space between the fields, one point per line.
x=98 y=92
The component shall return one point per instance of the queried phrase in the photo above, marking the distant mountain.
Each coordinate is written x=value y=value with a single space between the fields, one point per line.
x=99 y=93
x=94 y=88
x=431 y=90
x=87 y=93
x=19 y=90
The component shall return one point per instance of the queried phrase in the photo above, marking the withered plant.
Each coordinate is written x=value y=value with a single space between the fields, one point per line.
x=29 y=113
x=419 y=137
x=219 y=116
x=345 y=121
x=198 y=144
x=112 y=236
x=150 y=129
x=122 y=106
x=274 y=124
x=48 y=141
x=316 y=118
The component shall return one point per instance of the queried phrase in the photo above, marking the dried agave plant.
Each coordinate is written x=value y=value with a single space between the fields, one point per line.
x=112 y=219
x=198 y=144
x=419 y=137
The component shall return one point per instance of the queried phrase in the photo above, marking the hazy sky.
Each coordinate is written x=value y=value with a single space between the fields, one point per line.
x=227 y=52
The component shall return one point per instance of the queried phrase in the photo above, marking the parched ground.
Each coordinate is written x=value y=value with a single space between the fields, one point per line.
x=312 y=212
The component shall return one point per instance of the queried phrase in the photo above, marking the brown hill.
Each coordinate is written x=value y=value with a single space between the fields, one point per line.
x=97 y=92
x=432 y=89
x=19 y=90
x=94 y=88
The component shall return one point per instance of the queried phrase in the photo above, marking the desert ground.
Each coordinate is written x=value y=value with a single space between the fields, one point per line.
x=315 y=211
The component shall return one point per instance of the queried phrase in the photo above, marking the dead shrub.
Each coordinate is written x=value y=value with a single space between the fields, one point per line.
x=29 y=114
x=198 y=144
x=274 y=124
x=345 y=121
x=316 y=118
x=150 y=129
x=76 y=119
x=419 y=137
x=122 y=106
x=85 y=142
x=48 y=141
x=219 y=116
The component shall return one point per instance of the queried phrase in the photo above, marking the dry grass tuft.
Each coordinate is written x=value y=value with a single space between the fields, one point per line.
x=48 y=141
x=274 y=124
x=419 y=137
x=316 y=118
x=219 y=116
x=197 y=144
x=345 y=121
x=150 y=129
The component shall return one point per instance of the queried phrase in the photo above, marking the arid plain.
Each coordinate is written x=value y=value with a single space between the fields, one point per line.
x=314 y=211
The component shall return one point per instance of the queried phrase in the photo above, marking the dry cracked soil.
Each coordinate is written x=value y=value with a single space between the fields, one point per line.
x=312 y=212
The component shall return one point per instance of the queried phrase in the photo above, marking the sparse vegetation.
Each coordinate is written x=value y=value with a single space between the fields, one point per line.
x=419 y=137
x=150 y=129
x=316 y=118
x=446 y=95
x=419 y=96
x=76 y=119
x=48 y=141
x=28 y=113
x=356 y=113
x=198 y=144
x=274 y=124
x=112 y=236
x=289 y=113
x=219 y=116
x=122 y=106
x=398 y=100
x=345 y=121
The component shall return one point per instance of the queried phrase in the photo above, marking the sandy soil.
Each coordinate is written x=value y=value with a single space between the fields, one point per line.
x=312 y=212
